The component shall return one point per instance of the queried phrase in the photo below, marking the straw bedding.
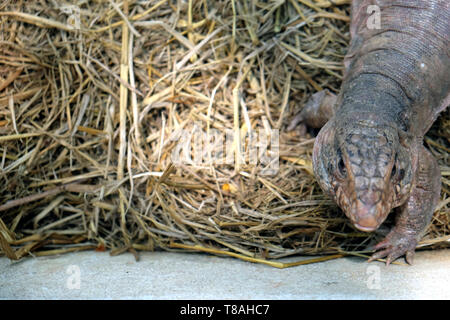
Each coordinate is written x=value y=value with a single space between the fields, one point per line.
x=95 y=97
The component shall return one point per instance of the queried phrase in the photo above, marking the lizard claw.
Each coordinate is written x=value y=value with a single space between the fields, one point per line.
x=395 y=245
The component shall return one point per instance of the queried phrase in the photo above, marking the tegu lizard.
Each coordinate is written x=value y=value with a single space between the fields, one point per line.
x=369 y=155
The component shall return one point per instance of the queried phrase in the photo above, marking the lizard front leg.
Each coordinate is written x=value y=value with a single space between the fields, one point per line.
x=415 y=214
x=317 y=110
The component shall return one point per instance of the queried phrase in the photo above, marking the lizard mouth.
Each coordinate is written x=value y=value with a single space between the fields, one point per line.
x=367 y=218
x=367 y=223
x=364 y=228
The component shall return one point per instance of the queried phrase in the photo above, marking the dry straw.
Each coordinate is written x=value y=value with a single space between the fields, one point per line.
x=96 y=95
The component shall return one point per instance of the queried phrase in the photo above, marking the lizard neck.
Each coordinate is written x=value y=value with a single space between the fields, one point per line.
x=374 y=97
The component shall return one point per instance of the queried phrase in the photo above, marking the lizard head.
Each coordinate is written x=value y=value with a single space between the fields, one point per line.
x=365 y=167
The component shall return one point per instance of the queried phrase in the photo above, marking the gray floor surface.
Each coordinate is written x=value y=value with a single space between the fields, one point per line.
x=164 y=275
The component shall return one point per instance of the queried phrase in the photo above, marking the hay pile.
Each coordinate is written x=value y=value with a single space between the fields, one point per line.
x=95 y=97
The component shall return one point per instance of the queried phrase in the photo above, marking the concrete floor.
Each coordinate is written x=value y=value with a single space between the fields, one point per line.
x=163 y=275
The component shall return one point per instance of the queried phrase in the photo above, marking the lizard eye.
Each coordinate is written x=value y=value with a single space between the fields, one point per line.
x=396 y=173
x=341 y=169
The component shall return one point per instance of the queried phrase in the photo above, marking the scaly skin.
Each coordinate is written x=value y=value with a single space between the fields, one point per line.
x=369 y=156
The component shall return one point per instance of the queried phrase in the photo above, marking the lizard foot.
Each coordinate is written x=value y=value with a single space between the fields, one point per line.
x=396 y=244
x=316 y=112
